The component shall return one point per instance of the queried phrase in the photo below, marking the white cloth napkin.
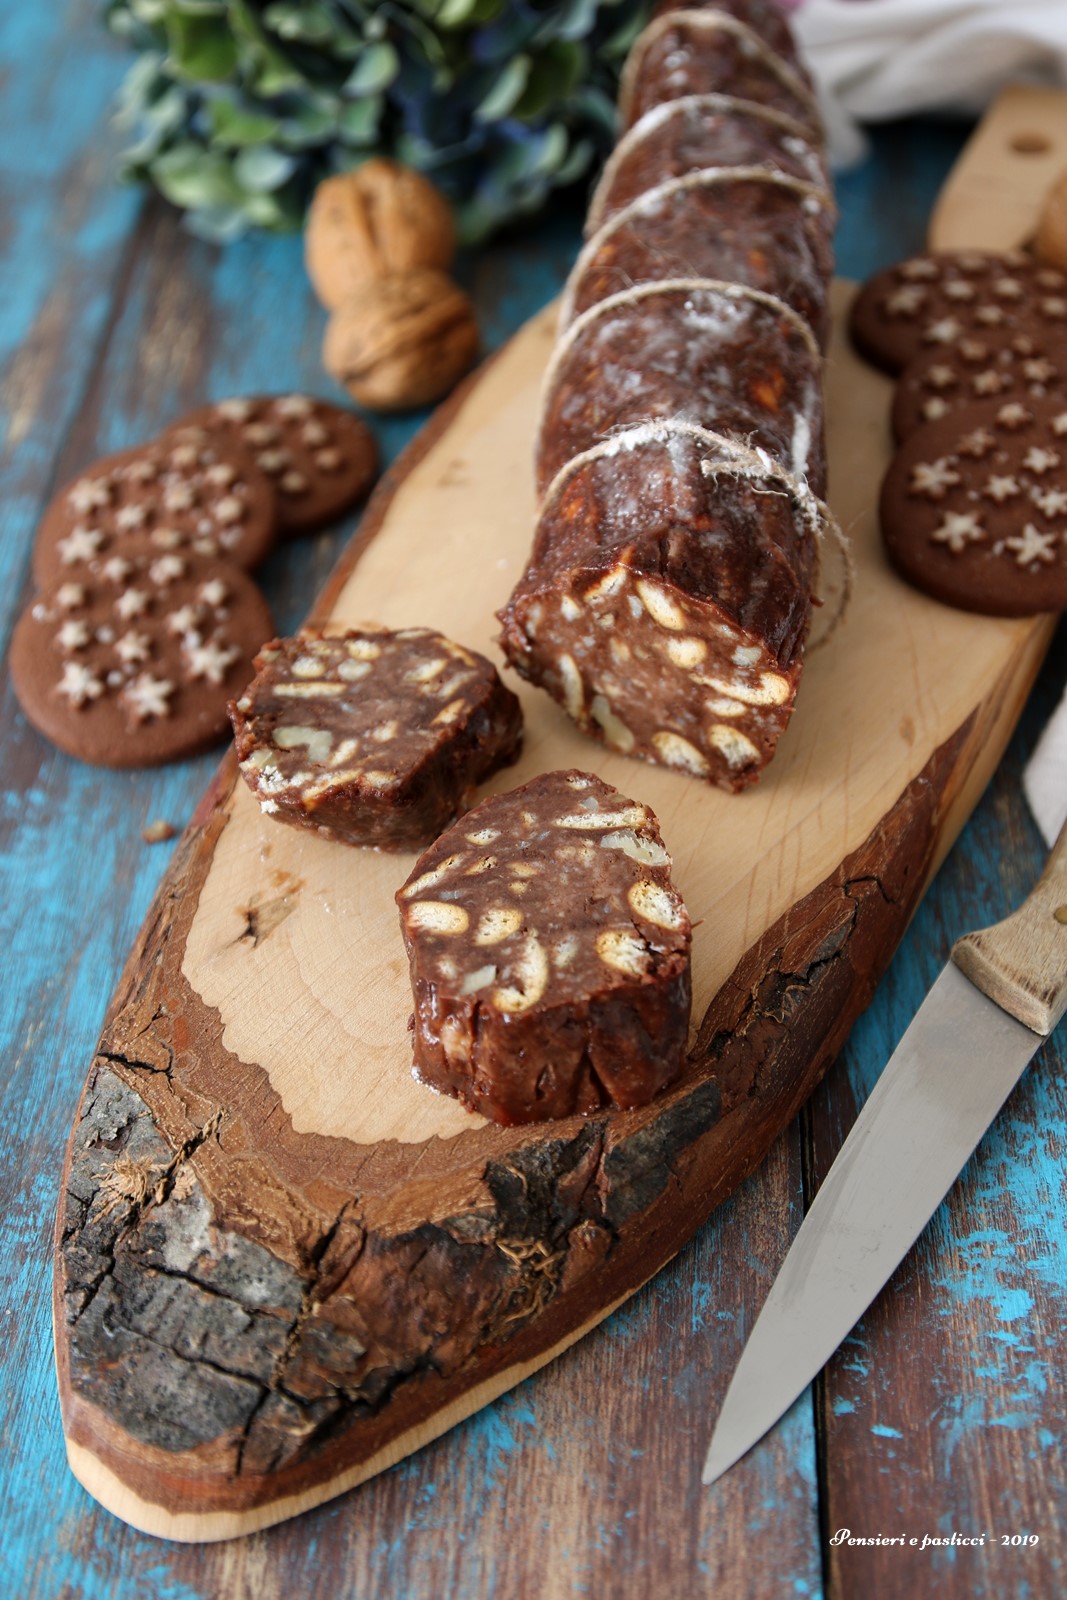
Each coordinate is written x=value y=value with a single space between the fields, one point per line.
x=1045 y=778
x=876 y=59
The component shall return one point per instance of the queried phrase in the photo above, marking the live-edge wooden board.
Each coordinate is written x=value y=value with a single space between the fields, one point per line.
x=282 y=1264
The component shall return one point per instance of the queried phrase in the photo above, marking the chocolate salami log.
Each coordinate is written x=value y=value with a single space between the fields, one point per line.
x=681 y=458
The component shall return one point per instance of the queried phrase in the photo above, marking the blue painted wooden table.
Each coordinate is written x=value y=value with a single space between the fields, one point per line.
x=944 y=1410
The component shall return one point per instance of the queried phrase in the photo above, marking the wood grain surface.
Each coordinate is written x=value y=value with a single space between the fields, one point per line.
x=944 y=1410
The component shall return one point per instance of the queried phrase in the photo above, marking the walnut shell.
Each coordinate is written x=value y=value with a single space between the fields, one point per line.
x=1050 y=241
x=367 y=224
x=402 y=341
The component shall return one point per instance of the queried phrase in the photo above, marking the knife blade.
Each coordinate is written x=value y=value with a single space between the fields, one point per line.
x=999 y=996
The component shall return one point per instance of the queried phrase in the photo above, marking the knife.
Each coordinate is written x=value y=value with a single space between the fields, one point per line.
x=1001 y=994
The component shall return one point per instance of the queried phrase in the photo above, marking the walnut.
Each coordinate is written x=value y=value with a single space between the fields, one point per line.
x=1050 y=241
x=403 y=341
x=365 y=225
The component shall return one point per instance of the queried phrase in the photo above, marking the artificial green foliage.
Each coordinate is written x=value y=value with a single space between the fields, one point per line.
x=239 y=107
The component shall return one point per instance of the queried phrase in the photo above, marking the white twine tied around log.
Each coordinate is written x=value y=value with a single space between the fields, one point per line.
x=712 y=22
x=731 y=458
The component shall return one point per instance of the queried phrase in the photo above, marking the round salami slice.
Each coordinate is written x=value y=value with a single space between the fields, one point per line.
x=933 y=301
x=197 y=498
x=549 y=952
x=974 y=507
x=321 y=458
x=131 y=662
x=370 y=736
x=1026 y=365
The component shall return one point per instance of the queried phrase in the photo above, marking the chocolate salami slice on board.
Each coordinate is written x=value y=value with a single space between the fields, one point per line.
x=549 y=953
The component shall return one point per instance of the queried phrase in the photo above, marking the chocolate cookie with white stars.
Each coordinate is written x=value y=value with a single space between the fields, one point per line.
x=320 y=457
x=933 y=301
x=181 y=498
x=974 y=508
x=1026 y=366
x=131 y=662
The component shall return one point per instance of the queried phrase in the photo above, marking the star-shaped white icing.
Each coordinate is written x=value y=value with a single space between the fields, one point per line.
x=328 y=460
x=147 y=697
x=958 y=530
x=1059 y=424
x=116 y=569
x=1039 y=460
x=273 y=461
x=212 y=593
x=1001 y=488
x=932 y=478
x=130 y=603
x=142 y=471
x=234 y=410
x=1008 y=288
x=973 y=350
x=178 y=497
x=293 y=405
x=1049 y=278
x=166 y=538
x=940 y=377
x=184 y=455
x=1054 y=306
x=73 y=636
x=313 y=434
x=956 y=289
x=917 y=269
x=207 y=658
x=977 y=444
x=1038 y=370
x=1052 y=502
x=229 y=509
x=934 y=408
x=221 y=474
x=942 y=332
x=988 y=382
x=70 y=596
x=257 y=433
x=293 y=483
x=905 y=302
x=1033 y=545
x=166 y=570
x=79 y=684
x=130 y=517
x=81 y=544
x=89 y=494
x=1013 y=415
x=183 y=620
x=133 y=648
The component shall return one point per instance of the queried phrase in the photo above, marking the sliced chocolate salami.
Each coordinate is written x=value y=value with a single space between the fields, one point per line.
x=667 y=599
x=734 y=224
x=370 y=736
x=1026 y=364
x=687 y=350
x=687 y=51
x=700 y=131
x=933 y=301
x=974 y=507
x=549 y=952
x=196 y=498
x=131 y=662
x=320 y=457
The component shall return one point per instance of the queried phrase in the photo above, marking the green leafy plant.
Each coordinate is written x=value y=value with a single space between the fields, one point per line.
x=239 y=107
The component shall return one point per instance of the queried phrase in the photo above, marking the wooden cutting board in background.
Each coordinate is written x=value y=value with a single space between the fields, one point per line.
x=283 y=1264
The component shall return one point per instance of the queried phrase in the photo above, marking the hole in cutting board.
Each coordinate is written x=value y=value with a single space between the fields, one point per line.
x=1031 y=144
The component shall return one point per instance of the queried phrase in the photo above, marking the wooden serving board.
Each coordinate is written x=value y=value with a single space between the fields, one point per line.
x=281 y=1263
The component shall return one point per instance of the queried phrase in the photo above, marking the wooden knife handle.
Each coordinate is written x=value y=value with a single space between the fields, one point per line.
x=1021 y=963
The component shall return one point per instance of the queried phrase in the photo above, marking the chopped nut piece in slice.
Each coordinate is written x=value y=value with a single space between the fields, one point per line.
x=572 y=997
x=346 y=733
